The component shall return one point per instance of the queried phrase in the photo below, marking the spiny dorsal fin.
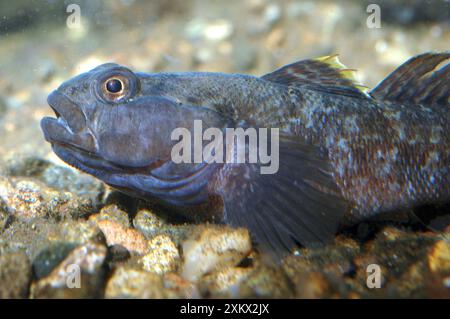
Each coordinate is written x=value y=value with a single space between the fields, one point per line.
x=421 y=79
x=326 y=73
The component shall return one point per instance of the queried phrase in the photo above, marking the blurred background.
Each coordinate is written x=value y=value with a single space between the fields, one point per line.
x=42 y=45
x=50 y=214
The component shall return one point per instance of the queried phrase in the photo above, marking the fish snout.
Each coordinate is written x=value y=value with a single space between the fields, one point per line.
x=70 y=125
x=67 y=112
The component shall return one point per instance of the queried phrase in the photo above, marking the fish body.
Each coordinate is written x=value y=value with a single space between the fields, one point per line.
x=344 y=154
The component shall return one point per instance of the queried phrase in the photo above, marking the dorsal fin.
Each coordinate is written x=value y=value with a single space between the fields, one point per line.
x=326 y=74
x=422 y=79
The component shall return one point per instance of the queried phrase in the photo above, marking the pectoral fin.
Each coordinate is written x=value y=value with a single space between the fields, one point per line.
x=300 y=204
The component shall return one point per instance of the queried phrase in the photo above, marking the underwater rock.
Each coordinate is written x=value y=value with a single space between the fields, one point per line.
x=209 y=30
x=213 y=247
x=55 y=176
x=309 y=285
x=133 y=283
x=266 y=282
x=50 y=257
x=178 y=287
x=80 y=232
x=148 y=223
x=79 y=275
x=27 y=199
x=15 y=276
x=402 y=258
x=162 y=257
x=28 y=166
x=224 y=283
x=117 y=255
x=439 y=256
x=335 y=258
x=151 y=225
x=130 y=238
x=22 y=199
x=39 y=235
x=112 y=213
x=4 y=216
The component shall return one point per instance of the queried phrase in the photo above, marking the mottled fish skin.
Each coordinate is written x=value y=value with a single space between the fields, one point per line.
x=386 y=155
x=345 y=155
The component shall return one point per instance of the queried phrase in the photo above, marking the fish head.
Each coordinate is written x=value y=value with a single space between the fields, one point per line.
x=105 y=122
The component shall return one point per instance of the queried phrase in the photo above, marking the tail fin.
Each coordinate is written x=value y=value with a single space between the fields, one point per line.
x=299 y=204
x=422 y=79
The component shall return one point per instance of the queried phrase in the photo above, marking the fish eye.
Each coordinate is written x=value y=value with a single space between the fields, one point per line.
x=116 y=85
x=115 y=88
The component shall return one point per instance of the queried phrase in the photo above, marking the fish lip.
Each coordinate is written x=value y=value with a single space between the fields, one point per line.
x=52 y=101
x=69 y=127
x=67 y=112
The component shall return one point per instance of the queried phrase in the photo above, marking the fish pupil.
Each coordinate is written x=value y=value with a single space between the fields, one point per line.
x=114 y=86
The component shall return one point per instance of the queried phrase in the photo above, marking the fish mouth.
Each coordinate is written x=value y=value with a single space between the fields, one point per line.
x=72 y=140
x=69 y=127
x=67 y=111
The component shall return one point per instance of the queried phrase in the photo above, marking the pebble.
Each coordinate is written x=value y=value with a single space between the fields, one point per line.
x=210 y=30
x=335 y=259
x=212 y=248
x=147 y=223
x=130 y=238
x=79 y=275
x=80 y=232
x=272 y=14
x=266 y=282
x=15 y=276
x=4 y=216
x=218 y=30
x=225 y=283
x=151 y=225
x=54 y=176
x=69 y=180
x=439 y=257
x=50 y=257
x=111 y=213
x=23 y=199
x=133 y=283
x=27 y=199
x=178 y=287
x=163 y=256
x=311 y=285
